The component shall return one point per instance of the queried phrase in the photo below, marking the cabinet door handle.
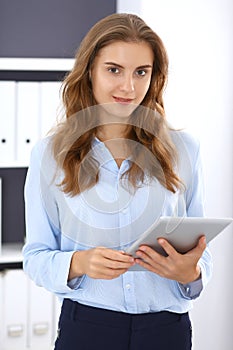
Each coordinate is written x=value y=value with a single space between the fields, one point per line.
x=40 y=328
x=15 y=330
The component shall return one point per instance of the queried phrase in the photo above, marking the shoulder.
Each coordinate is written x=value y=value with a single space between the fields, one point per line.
x=185 y=141
x=188 y=150
x=41 y=147
x=42 y=158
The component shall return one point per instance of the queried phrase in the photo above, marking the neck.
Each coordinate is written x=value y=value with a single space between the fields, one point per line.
x=114 y=131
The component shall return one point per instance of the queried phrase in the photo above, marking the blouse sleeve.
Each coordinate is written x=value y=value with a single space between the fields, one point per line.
x=194 y=198
x=43 y=259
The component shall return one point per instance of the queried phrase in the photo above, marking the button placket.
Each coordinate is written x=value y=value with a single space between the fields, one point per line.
x=129 y=294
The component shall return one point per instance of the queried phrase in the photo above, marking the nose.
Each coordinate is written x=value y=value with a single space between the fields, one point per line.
x=127 y=84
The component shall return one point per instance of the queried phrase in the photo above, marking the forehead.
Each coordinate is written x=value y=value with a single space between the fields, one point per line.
x=126 y=53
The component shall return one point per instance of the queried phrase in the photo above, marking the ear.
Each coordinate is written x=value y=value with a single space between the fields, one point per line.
x=89 y=73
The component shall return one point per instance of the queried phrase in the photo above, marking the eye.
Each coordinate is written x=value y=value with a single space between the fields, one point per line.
x=141 y=72
x=113 y=70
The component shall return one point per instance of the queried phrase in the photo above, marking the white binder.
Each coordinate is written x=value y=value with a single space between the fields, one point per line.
x=14 y=310
x=7 y=121
x=28 y=121
x=50 y=105
x=41 y=311
x=1 y=309
x=0 y=215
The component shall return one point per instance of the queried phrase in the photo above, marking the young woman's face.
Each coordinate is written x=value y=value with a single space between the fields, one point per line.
x=121 y=74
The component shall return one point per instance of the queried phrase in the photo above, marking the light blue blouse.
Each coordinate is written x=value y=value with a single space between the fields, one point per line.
x=110 y=214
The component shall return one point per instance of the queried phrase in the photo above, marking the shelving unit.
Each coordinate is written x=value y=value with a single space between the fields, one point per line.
x=32 y=65
x=11 y=256
x=34 y=324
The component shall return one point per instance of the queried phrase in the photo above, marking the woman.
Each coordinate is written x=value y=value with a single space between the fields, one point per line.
x=110 y=170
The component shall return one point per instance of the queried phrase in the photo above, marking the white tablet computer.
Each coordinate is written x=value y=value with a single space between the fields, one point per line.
x=181 y=233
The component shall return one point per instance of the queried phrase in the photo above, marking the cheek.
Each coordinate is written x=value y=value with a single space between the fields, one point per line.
x=143 y=89
x=101 y=86
x=102 y=91
x=147 y=85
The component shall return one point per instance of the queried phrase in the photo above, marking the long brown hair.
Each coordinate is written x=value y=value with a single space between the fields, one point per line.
x=77 y=96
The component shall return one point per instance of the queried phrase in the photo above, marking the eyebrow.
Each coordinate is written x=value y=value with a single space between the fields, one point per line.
x=118 y=65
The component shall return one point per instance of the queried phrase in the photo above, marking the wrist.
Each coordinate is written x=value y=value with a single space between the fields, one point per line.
x=195 y=276
x=75 y=266
x=198 y=273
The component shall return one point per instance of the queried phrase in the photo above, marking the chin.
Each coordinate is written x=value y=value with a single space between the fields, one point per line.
x=118 y=110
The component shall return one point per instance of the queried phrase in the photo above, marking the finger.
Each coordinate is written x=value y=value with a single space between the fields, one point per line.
x=116 y=260
x=150 y=256
x=201 y=246
x=154 y=267
x=105 y=269
x=202 y=242
x=118 y=256
x=169 y=249
x=117 y=265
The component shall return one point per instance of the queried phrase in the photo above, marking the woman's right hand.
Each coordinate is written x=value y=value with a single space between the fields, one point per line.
x=100 y=262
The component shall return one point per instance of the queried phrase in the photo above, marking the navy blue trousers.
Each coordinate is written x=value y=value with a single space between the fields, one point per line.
x=88 y=328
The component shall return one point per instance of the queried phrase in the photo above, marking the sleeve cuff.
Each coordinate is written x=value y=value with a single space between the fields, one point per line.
x=75 y=282
x=62 y=278
x=191 y=290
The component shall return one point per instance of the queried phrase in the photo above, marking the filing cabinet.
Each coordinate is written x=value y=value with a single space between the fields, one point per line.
x=28 y=313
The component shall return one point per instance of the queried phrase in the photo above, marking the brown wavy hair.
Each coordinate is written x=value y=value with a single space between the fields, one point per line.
x=70 y=147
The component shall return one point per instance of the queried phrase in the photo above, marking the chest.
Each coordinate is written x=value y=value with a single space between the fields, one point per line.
x=109 y=214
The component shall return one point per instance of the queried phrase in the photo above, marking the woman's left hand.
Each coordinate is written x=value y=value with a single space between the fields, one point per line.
x=182 y=268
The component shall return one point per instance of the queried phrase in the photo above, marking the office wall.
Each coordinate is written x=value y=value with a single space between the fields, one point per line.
x=198 y=37
x=47 y=28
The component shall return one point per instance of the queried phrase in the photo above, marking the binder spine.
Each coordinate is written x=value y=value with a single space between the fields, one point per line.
x=0 y=215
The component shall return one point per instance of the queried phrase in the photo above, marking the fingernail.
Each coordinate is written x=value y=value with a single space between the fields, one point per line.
x=143 y=248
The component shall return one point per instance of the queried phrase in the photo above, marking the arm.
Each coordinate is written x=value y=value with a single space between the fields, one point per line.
x=195 y=199
x=43 y=260
x=46 y=263
x=182 y=268
x=100 y=263
x=192 y=270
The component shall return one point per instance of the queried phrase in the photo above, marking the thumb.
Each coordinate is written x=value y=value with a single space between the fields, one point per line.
x=201 y=246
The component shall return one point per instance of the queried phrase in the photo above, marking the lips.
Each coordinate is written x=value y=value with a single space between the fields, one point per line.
x=121 y=100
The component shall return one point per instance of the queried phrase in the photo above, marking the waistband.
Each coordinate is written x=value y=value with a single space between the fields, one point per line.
x=81 y=312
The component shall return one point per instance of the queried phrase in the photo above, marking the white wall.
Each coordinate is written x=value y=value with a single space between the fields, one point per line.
x=198 y=37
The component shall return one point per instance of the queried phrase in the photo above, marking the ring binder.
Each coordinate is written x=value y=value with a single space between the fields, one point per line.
x=0 y=215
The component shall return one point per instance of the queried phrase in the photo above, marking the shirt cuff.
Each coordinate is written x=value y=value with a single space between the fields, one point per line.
x=75 y=282
x=191 y=290
x=62 y=283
